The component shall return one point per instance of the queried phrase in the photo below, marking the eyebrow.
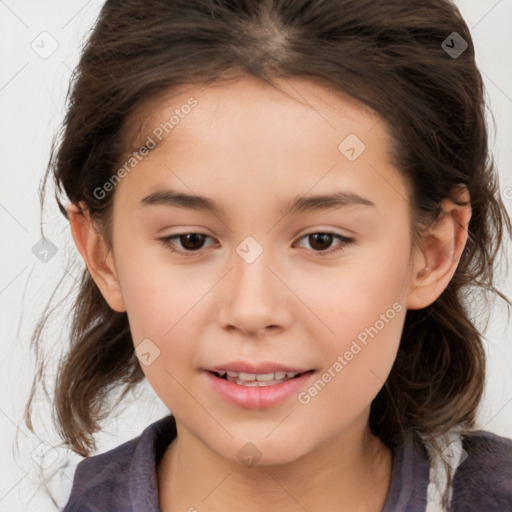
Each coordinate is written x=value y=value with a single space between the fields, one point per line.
x=299 y=204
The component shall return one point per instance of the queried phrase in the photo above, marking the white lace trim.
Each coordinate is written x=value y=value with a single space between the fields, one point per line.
x=452 y=452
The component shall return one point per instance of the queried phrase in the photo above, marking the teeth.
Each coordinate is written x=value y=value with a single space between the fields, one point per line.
x=253 y=379
x=263 y=377
x=247 y=376
x=256 y=383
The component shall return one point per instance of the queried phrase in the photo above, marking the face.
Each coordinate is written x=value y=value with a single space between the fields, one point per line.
x=320 y=288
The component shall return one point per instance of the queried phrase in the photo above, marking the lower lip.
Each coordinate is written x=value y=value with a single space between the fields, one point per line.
x=258 y=397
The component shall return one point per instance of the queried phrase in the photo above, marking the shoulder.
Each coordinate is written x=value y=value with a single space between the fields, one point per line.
x=105 y=481
x=483 y=478
x=102 y=479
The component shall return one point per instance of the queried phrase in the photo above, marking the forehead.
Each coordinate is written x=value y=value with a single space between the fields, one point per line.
x=319 y=101
x=252 y=138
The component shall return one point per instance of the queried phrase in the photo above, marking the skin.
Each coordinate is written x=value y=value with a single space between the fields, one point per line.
x=251 y=148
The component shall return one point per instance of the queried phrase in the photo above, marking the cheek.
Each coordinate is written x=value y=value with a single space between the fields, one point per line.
x=164 y=337
x=362 y=292
x=163 y=308
x=357 y=363
x=156 y=293
x=362 y=310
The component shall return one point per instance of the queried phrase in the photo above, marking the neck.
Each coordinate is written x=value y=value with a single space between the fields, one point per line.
x=352 y=472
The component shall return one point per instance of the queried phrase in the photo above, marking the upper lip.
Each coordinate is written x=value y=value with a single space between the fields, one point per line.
x=260 y=368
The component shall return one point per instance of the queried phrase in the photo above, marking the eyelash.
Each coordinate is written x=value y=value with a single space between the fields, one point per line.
x=345 y=241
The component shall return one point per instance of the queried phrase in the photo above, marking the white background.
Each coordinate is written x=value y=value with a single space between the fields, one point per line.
x=32 y=94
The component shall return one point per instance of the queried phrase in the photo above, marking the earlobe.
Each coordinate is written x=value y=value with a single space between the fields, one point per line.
x=96 y=254
x=435 y=265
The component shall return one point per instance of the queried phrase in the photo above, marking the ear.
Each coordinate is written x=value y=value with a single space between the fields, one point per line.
x=435 y=265
x=98 y=258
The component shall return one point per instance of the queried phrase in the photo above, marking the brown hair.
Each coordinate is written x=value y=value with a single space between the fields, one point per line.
x=386 y=55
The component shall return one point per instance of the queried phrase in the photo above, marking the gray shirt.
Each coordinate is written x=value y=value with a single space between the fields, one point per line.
x=124 y=479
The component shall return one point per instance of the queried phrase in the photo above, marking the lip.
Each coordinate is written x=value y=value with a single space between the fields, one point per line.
x=258 y=397
x=264 y=367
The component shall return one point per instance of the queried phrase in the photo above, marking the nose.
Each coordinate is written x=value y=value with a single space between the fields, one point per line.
x=255 y=298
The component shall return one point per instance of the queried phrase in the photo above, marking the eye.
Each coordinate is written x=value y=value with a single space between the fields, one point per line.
x=190 y=242
x=194 y=242
x=320 y=242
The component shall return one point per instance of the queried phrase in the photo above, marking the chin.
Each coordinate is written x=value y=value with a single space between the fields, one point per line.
x=264 y=452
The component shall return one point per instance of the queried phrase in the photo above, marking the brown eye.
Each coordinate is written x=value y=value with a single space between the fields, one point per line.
x=190 y=242
x=320 y=242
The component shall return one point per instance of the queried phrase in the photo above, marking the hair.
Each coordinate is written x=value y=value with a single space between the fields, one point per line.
x=388 y=56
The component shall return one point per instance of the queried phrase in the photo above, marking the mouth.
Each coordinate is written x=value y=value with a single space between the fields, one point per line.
x=257 y=379
x=261 y=386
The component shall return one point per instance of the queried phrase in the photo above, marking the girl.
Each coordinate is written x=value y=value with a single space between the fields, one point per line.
x=299 y=375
